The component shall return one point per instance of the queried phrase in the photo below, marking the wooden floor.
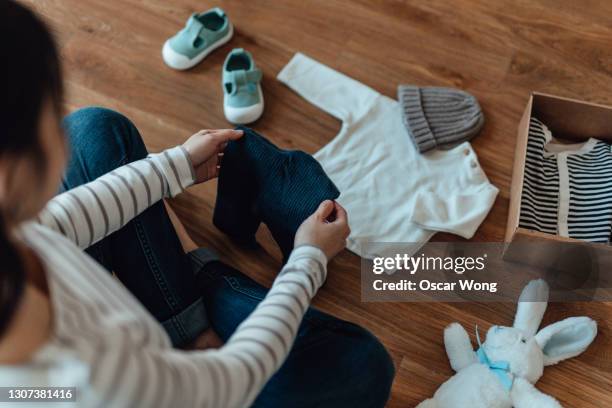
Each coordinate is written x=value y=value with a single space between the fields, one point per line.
x=498 y=50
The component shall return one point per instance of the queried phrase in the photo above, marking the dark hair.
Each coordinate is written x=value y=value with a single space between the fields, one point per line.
x=29 y=73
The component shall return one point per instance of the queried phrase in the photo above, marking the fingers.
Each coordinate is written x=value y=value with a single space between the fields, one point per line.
x=214 y=131
x=221 y=147
x=224 y=135
x=325 y=210
x=342 y=219
x=341 y=215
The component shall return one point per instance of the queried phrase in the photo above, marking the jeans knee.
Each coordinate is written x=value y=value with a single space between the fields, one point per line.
x=94 y=117
x=96 y=113
x=102 y=133
x=375 y=369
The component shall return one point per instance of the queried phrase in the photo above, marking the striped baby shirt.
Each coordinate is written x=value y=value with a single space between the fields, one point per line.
x=107 y=345
x=568 y=187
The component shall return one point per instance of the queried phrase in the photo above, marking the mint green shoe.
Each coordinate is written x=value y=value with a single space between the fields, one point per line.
x=202 y=34
x=243 y=100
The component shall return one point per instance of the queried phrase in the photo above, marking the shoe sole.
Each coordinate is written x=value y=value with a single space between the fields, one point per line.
x=182 y=63
x=246 y=115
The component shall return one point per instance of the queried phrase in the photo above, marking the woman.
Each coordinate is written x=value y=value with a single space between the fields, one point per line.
x=181 y=329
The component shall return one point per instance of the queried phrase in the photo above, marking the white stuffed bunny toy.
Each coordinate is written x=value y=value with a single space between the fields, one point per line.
x=502 y=372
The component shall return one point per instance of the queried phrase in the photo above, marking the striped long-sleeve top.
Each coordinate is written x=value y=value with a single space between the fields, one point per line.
x=104 y=341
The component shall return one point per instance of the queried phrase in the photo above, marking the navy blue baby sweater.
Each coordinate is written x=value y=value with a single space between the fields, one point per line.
x=258 y=182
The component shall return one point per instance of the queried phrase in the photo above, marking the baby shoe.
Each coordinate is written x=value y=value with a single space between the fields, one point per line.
x=202 y=34
x=243 y=100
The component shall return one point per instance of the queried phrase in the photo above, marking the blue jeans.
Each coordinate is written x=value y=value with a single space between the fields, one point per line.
x=333 y=363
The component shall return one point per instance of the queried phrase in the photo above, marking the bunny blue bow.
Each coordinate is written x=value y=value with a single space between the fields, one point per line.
x=500 y=368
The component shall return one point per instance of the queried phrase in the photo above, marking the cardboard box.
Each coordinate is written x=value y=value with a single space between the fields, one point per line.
x=569 y=119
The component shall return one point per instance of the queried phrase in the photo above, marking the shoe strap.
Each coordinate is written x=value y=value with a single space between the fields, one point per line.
x=242 y=77
x=195 y=29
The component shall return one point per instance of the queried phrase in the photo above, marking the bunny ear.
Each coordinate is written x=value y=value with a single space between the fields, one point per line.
x=566 y=339
x=531 y=307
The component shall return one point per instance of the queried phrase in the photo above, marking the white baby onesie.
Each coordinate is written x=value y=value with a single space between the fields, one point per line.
x=396 y=197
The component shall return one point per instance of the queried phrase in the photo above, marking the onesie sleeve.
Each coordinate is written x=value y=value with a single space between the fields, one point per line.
x=326 y=88
x=459 y=213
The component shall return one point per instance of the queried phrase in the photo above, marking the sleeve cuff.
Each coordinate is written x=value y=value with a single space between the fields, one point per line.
x=457 y=213
x=191 y=168
x=297 y=65
x=308 y=251
x=178 y=170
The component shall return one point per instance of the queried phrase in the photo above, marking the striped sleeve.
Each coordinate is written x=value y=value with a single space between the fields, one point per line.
x=90 y=212
x=540 y=195
x=233 y=375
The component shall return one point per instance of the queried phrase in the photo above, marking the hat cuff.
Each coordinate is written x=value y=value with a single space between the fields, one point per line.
x=414 y=117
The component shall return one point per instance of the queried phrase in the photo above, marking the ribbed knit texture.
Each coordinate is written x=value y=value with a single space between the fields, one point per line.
x=439 y=117
x=259 y=182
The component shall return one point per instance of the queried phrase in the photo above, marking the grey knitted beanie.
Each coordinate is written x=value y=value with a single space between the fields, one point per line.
x=439 y=117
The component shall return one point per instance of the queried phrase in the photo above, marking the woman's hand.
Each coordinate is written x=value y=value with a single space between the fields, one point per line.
x=206 y=340
x=205 y=149
x=327 y=228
